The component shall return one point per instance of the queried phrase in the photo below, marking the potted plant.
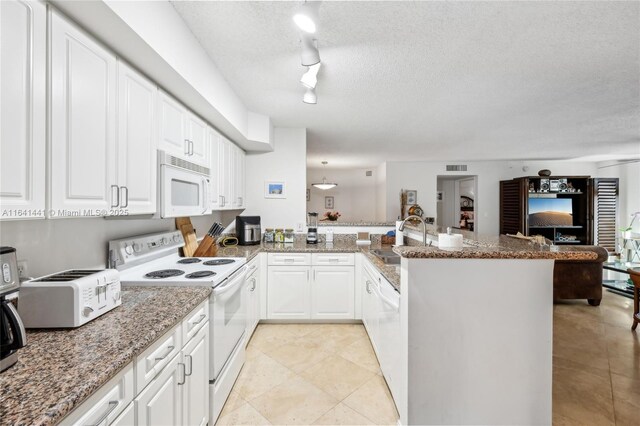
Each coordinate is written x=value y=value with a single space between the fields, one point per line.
x=331 y=216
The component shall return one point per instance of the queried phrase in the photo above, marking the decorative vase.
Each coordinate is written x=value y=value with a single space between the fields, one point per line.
x=544 y=172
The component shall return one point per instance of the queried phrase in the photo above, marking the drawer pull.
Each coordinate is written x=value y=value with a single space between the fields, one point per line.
x=334 y=260
x=289 y=260
x=169 y=350
x=112 y=406
x=202 y=317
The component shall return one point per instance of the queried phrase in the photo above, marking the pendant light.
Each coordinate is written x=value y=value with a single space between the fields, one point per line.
x=310 y=97
x=324 y=185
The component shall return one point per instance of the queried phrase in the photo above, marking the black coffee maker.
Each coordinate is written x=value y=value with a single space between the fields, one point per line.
x=12 y=334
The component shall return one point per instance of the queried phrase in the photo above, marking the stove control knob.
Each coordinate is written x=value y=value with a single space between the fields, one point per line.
x=176 y=238
x=137 y=247
x=86 y=311
x=128 y=249
x=164 y=241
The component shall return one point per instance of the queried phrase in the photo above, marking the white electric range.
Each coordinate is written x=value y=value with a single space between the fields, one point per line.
x=153 y=260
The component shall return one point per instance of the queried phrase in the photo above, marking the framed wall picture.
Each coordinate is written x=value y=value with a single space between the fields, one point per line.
x=412 y=197
x=274 y=189
x=328 y=202
x=308 y=194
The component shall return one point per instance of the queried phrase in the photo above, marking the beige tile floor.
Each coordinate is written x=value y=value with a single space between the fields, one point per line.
x=325 y=374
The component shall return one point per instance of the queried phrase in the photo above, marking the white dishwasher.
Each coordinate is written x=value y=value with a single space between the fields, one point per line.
x=389 y=335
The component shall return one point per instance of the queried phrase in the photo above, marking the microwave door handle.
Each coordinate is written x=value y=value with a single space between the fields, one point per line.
x=205 y=200
x=17 y=327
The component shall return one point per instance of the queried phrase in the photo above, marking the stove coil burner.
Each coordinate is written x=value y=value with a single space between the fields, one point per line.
x=164 y=273
x=188 y=260
x=200 y=274
x=217 y=262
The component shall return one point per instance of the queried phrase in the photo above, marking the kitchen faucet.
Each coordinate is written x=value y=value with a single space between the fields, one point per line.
x=424 y=227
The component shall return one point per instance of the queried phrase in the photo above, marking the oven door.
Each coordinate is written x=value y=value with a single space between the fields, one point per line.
x=182 y=192
x=228 y=311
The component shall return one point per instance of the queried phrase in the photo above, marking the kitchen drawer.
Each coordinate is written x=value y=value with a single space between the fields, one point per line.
x=289 y=259
x=107 y=402
x=372 y=271
x=151 y=362
x=194 y=321
x=333 y=258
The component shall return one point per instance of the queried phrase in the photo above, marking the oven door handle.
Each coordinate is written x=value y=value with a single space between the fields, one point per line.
x=232 y=282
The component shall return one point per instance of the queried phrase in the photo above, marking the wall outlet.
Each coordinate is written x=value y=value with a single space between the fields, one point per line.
x=23 y=269
x=299 y=227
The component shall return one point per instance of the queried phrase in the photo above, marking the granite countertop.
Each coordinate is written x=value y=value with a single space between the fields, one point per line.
x=60 y=368
x=363 y=224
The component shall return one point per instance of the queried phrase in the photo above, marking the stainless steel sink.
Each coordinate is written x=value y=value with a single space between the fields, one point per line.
x=387 y=256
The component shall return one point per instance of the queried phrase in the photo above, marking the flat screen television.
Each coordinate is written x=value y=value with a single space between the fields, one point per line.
x=550 y=212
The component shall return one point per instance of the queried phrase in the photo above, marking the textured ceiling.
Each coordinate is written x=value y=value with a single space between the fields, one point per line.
x=438 y=80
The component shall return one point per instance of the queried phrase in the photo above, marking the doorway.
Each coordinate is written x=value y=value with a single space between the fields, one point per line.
x=457 y=202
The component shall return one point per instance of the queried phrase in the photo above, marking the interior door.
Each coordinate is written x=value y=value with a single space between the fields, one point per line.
x=22 y=109
x=137 y=158
x=83 y=121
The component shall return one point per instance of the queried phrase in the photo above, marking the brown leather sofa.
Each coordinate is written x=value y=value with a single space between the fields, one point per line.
x=579 y=279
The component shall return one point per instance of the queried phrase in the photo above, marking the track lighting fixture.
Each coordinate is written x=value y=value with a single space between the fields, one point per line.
x=310 y=54
x=310 y=97
x=310 y=78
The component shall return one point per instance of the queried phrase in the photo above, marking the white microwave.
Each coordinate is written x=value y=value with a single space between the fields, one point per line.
x=183 y=188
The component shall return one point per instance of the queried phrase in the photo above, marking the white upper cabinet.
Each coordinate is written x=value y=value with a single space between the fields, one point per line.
x=239 y=179
x=172 y=126
x=136 y=166
x=215 y=200
x=197 y=139
x=83 y=121
x=22 y=109
x=227 y=173
x=182 y=133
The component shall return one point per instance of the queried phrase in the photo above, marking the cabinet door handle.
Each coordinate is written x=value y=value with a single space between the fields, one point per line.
x=184 y=373
x=186 y=147
x=112 y=406
x=125 y=192
x=200 y=319
x=190 y=358
x=240 y=200
x=368 y=287
x=307 y=275
x=169 y=349
x=117 y=195
x=191 y=149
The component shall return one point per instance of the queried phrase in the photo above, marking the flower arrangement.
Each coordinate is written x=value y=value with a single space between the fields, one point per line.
x=332 y=216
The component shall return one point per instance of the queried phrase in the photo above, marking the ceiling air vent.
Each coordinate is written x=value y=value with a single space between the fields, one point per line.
x=456 y=167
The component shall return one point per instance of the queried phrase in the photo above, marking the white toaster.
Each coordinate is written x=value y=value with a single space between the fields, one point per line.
x=69 y=298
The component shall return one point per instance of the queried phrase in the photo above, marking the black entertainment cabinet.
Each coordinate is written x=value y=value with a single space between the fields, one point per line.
x=592 y=202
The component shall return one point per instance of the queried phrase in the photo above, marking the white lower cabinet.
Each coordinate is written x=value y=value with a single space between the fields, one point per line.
x=389 y=335
x=370 y=306
x=195 y=396
x=160 y=402
x=315 y=292
x=127 y=417
x=167 y=384
x=289 y=292
x=333 y=292
x=252 y=294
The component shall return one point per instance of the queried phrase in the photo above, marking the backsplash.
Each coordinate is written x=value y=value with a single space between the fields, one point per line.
x=54 y=245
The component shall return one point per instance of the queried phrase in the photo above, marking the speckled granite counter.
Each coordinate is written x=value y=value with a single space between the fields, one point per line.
x=355 y=224
x=59 y=369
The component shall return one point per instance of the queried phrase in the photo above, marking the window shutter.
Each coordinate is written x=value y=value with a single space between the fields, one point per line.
x=605 y=207
x=511 y=207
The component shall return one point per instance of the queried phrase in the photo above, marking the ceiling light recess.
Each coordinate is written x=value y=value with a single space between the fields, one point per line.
x=305 y=18
x=324 y=185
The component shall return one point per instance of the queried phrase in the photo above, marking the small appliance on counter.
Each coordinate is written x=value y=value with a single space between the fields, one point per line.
x=69 y=299
x=312 y=228
x=248 y=230
x=12 y=336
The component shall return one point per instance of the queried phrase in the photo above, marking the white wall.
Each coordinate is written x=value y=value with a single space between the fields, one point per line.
x=381 y=192
x=629 y=199
x=422 y=176
x=288 y=163
x=55 y=245
x=354 y=197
